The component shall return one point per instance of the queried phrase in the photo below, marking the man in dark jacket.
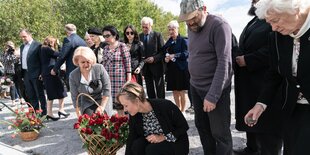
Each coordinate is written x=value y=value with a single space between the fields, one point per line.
x=31 y=70
x=251 y=64
x=153 y=70
x=70 y=43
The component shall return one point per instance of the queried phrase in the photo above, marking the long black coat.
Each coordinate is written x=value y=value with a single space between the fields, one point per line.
x=170 y=119
x=253 y=44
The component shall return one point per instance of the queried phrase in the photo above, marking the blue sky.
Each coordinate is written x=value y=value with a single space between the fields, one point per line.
x=234 y=11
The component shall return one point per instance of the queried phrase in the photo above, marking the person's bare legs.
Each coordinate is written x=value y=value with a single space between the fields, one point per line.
x=61 y=105
x=50 y=108
x=176 y=96
x=182 y=100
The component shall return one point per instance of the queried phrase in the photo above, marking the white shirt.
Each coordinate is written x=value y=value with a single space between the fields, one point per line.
x=24 y=55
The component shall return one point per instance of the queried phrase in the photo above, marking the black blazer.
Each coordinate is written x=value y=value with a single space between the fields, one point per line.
x=153 y=48
x=281 y=70
x=66 y=54
x=171 y=120
x=33 y=59
x=253 y=44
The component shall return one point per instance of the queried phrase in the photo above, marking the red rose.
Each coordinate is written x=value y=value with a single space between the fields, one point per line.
x=104 y=132
x=80 y=118
x=89 y=131
x=99 y=121
x=116 y=136
x=106 y=117
x=83 y=130
x=76 y=125
x=86 y=116
x=91 y=122
x=114 y=119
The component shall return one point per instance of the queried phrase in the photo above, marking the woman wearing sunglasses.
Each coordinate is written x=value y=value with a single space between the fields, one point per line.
x=117 y=62
x=135 y=46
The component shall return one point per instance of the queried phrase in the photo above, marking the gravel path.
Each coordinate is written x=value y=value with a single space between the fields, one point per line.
x=59 y=137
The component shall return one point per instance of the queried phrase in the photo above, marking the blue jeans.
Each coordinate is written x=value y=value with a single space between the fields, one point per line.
x=213 y=127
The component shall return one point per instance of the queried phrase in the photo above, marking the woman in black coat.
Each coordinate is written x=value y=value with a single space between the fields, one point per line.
x=251 y=64
x=131 y=39
x=290 y=60
x=53 y=84
x=156 y=126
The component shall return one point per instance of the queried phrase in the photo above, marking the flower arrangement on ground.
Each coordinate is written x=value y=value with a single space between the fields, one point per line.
x=102 y=134
x=26 y=120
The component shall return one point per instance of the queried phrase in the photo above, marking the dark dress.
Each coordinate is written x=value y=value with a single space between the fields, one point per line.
x=53 y=84
x=177 y=75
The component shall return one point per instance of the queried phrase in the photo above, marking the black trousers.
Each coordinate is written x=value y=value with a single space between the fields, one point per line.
x=35 y=92
x=297 y=131
x=150 y=80
x=264 y=143
x=142 y=147
x=213 y=127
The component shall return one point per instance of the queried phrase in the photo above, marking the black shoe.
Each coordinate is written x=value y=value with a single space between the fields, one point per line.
x=52 y=118
x=245 y=151
x=63 y=114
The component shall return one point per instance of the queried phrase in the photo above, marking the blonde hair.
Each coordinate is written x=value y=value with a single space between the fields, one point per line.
x=85 y=52
x=48 y=42
x=132 y=90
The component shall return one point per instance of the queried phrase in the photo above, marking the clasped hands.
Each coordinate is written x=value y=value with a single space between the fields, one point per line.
x=153 y=138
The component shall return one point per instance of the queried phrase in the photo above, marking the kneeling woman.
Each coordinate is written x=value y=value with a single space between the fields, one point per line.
x=92 y=79
x=156 y=126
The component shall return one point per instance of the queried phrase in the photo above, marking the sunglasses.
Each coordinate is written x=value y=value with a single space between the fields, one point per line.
x=131 y=33
x=106 y=36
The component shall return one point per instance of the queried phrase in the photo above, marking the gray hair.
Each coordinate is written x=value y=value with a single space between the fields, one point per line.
x=280 y=6
x=147 y=20
x=70 y=28
x=173 y=24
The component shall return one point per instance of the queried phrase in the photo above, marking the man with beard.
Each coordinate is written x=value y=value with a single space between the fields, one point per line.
x=251 y=64
x=210 y=67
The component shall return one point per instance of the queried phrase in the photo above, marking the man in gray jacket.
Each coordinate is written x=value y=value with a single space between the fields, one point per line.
x=210 y=67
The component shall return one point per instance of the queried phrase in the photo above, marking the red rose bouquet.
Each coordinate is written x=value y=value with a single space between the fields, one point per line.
x=102 y=134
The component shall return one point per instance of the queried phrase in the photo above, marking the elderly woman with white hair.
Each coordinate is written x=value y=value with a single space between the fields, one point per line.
x=177 y=75
x=92 y=79
x=290 y=56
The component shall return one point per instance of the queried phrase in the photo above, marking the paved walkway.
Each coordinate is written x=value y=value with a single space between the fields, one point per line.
x=59 y=137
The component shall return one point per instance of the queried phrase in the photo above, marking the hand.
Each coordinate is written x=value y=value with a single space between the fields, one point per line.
x=137 y=71
x=240 y=61
x=100 y=109
x=252 y=116
x=53 y=72
x=171 y=56
x=155 y=138
x=149 y=60
x=167 y=59
x=208 y=106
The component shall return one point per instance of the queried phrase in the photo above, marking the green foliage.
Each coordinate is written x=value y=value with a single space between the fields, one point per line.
x=48 y=17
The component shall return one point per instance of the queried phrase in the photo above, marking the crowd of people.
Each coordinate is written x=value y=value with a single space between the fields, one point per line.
x=271 y=83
